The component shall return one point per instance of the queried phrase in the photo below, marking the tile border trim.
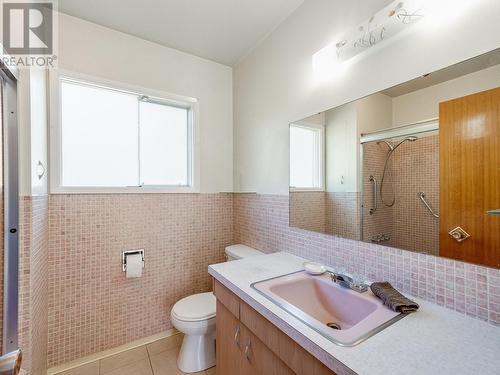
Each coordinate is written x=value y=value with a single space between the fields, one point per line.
x=110 y=352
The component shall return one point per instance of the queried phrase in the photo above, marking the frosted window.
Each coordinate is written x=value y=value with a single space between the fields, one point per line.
x=114 y=139
x=305 y=157
x=99 y=137
x=164 y=145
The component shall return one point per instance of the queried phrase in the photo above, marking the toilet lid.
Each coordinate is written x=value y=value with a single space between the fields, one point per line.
x=196 y=307
x=242 y=251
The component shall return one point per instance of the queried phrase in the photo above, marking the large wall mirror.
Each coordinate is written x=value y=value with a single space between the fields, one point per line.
x=415 y=166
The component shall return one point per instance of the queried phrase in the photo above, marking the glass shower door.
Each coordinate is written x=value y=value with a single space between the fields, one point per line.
x=9 y=224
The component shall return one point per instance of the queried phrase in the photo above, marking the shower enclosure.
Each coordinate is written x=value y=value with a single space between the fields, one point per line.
x=9 y=222
x=400 y=174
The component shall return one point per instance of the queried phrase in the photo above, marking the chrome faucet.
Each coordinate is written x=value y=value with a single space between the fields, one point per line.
x=342 y=280
x=347 y=282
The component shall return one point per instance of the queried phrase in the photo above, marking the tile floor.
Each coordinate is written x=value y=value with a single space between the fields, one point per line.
x=157 y=358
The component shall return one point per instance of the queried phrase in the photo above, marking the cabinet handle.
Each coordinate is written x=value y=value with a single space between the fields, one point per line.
x=248 y=347
x=237 y=336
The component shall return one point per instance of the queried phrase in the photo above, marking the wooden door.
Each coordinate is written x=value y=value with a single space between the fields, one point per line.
x=228 y=342
x=469 y=142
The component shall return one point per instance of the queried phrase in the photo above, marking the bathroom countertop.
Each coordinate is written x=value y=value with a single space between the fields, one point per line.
x=434 y=340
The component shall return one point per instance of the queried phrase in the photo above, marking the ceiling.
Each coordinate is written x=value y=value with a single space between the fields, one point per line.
x=220 y=30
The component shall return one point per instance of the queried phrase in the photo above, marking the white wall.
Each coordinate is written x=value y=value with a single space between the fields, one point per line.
x=344 y=125
x=341 y=140
x=424 y=104
x=97 y=51
x=275 y=84
x=24 y=131
x=39 y=127
x=374 y=113
x=33 y=123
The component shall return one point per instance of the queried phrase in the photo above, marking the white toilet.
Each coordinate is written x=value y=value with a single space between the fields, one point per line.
x=195 y=317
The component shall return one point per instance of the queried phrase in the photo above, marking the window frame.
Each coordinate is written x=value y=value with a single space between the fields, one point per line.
x=321 y=161
x=154 y=96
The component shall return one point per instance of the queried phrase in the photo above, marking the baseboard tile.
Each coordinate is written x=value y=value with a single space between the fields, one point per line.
x=107 y=353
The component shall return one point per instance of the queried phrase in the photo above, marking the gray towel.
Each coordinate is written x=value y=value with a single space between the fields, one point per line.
x=392 y=298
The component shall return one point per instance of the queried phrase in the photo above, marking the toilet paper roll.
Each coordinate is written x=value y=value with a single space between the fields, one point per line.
x=134 y=265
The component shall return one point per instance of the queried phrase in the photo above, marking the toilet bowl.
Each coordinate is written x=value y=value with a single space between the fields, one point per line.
x=194 y=316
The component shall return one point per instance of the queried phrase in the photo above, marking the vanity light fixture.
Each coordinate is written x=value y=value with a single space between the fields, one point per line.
x=386 y=23
x=389 y=22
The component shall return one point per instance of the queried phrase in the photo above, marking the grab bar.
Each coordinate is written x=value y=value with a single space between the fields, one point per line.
x=421 y=195
x=375 y=197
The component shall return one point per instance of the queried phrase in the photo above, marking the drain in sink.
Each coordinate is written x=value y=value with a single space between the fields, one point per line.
x=333 y=325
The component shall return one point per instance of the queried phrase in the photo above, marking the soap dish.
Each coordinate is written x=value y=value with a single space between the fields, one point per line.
x=314 y=268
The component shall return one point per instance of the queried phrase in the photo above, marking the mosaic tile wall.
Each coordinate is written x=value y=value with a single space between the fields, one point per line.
x=380 y=222
x=33 y=283
x=343 y=214
x=329 y=213
x=308 y=210
x=73 y=289
x=261 y=221
x=413 y=168
x=416 y=169
x=92 y=305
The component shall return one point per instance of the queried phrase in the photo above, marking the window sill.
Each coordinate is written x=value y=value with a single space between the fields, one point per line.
x=131 y=190
x=305 y=190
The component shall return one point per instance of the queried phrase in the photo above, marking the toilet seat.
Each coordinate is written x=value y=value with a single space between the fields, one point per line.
x=195 y=308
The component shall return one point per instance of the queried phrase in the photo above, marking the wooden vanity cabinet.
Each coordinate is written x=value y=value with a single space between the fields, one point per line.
x=248 y=344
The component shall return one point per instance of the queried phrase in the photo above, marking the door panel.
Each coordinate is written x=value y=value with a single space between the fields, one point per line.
x=469 y=139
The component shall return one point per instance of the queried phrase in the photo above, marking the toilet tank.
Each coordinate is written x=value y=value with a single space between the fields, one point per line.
x=235 y=252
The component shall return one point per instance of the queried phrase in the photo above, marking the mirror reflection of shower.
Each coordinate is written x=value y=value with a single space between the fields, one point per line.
x=391 y=149
x=399 y=167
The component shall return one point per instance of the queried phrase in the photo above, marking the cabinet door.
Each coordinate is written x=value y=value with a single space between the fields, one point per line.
x=258 y=359
x=292 y=354
x=228 y=342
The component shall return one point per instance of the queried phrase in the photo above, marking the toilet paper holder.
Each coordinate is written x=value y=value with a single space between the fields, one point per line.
x=131 y=252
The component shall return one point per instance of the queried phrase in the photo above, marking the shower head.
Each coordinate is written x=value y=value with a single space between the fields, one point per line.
x=411 y=138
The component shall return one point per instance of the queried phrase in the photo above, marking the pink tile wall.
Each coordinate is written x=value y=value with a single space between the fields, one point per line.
x=343 y=214
x=261 y=221
x=324 y=212
x=33 y=283
x=75 y=300
x=381 y=220
x=413 y=167
x=416 y=168
x=308 y=210
x=92 y=306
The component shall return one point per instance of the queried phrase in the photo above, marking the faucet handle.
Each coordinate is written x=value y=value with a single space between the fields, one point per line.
x=358 y=284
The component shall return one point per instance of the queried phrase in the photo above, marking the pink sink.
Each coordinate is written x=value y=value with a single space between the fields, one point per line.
x=322 y=304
